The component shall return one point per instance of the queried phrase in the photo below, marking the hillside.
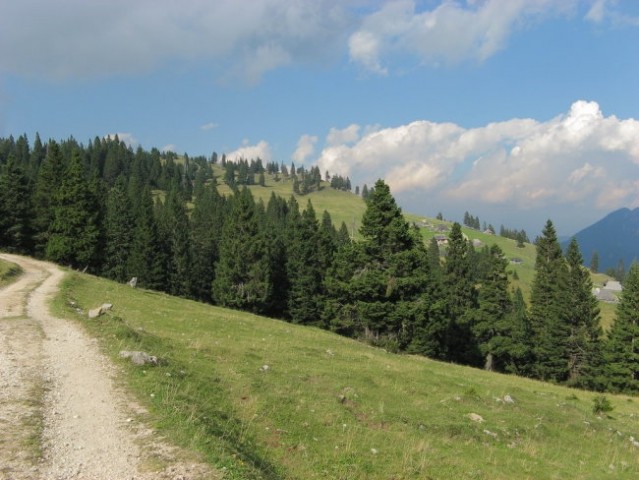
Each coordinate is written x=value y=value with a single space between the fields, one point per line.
x=348 y=208
x=267 y=399
x=615 y=237
x=343 y=206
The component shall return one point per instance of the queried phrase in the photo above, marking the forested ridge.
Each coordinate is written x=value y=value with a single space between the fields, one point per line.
x=122 y=213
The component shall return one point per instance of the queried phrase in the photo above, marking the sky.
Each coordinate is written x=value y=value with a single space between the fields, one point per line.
x=516 y=111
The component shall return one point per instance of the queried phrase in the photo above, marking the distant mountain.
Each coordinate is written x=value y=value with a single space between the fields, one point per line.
x=614 y=237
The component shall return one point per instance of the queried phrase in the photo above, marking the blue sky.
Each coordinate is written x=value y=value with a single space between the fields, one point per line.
x=515 y=110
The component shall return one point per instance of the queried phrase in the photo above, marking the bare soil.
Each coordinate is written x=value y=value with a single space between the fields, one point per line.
x=62 y=415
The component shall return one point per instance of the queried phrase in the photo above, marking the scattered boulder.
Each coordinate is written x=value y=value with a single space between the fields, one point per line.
x=133 y=282
x=139 y=358
x=264 y=368
x=508 y=399
x=475 y=417
x=102 y=309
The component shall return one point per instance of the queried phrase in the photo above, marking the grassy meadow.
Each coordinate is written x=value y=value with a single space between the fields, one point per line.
x=260 y=398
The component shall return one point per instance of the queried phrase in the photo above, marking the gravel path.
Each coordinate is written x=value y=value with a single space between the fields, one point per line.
x=61 y=415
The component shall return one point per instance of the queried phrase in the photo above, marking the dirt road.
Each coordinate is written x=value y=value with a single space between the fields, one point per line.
x=61 y=414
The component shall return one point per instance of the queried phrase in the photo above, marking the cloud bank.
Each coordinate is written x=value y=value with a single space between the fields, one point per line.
x=450 y=33
x=260 y=150
x=581 y=158
x=80 y=39
x=77 y=39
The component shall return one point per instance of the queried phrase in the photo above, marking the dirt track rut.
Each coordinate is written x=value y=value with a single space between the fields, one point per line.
x=61 y=414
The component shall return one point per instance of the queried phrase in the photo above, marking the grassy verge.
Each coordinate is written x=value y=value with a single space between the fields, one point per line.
x=266 y=399
x=8 y=272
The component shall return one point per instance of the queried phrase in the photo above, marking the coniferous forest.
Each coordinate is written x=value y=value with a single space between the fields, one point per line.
x=122 y=213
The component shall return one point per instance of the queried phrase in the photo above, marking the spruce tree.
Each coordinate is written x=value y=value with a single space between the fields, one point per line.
x=384 y=229
x=305 y=270
x=176 y=226
x=48 y=182
x=73 y=233
x=583 y=316
x=15 y=209
x=516 y=349
x=206 y=228
x=327 y=242
x=241 y=273
x=549 y=309
x=492 y=321
x=147 y=259
x=622 y=347
x=119 y=226
x=461 y=300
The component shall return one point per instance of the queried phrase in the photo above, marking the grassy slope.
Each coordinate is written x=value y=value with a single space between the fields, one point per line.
x=329 y=407
x=343 y=206
x=8 y=272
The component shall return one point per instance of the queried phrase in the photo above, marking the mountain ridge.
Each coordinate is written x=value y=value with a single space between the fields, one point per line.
x=615 y=237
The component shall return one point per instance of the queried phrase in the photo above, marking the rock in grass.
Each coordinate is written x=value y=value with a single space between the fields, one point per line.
x=139 y=358
x=96 y=312
x=475 y=417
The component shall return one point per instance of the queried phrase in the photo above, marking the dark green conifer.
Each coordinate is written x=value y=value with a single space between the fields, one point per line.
x=583 y=316
x=241 y=274
x=15 y=209
x=549 y=309
x=73 y=233
x=119 y=226
x=622 y=347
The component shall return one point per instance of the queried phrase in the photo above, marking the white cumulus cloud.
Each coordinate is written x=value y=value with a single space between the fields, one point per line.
x=449 y=33
x=305 y=148
x=260 y=150
x=580 y=158
x=337 y=136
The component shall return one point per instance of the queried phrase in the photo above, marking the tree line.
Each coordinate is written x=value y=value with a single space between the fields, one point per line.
x=119 y=213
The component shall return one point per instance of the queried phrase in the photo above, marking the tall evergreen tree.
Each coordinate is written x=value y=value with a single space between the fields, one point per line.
x=549 y=309
x=492 y=322
x=305 y=270
x=582 y=315
x=241 y=274
x=147 y=260
x=175 y=224
x=15 y=209
x=45 y=195
x=207 y=220
x=622 y=346
x=119 y=226
x=73 y=233
x=461 y=300
x=384 y=229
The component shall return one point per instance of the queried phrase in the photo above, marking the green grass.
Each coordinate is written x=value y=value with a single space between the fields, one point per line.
x=329 y=407
x=9 y=272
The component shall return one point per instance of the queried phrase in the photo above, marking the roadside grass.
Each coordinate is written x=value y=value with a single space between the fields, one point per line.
x=262 y=398
x=9 y=272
